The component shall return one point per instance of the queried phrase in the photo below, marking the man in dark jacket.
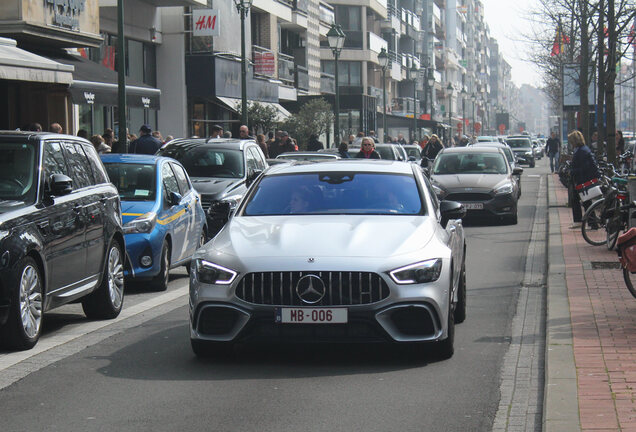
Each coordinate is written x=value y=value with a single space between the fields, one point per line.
x=283 y=146
x=314 y=144
x=429 y=153
x=553 y=146
x=146 y=143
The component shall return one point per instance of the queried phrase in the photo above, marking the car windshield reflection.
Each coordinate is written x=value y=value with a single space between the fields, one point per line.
x=470 y=163
x=135 y=182
x=18 y=175
x=209 y=161
x=335 y=193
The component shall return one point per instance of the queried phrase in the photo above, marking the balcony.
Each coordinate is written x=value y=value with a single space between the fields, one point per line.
x=392 y=20
x=375 y=43
x=402 y=106
x=301 y=80
x=327 y=83
x=286 y=69
x=327 y=14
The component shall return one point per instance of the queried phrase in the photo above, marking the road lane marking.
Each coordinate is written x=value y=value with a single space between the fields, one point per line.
x=65 y=335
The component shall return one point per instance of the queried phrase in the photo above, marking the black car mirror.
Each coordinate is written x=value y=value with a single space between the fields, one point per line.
x=517 y=171
x=252 y=175
x=175 y=198
x=60 y=185
x=451 y=210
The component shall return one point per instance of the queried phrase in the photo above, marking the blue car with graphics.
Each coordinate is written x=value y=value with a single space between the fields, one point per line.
x=164 y=223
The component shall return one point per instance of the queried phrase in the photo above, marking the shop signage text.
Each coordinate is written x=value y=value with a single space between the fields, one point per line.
x=205 y=22
x=66 y=12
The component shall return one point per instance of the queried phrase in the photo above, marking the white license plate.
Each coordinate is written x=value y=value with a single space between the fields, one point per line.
x=474 y=206
x=311 y=315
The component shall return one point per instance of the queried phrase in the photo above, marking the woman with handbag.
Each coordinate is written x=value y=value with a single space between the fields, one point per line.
x=584 y=170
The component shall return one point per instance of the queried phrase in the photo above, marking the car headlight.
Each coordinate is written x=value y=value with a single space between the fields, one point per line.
x=142 y=224
x=211 y=273
x=421 y=272
x=504 y=189
x=528 y=153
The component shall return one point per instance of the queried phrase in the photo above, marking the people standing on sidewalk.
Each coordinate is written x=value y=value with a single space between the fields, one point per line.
x=260 y=140
x=343 y=150
x=620 y=143
x=584 y=169
x=146 y=143
x=553 y=145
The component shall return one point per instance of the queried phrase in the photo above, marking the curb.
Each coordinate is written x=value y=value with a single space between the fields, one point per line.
x=560 y=402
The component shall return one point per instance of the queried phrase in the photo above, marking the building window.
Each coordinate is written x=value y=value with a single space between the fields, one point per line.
x=349 y=17
x=349 y=72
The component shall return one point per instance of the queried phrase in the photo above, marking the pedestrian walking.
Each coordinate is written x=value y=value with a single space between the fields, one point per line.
x=584 y=169
x=553 y=146
x=283 y=146
x=431 y=150
x=56 y=128
x=357 y=142
x=82 y=133
x=216 y=132
x=157 y=135
x=401 y=140
x=620 y=143
x=343 y=150
x=99 y=144
x=314 y=144
x=367 y=150
x=146 y=143
x=373 y=137
x=260 y=140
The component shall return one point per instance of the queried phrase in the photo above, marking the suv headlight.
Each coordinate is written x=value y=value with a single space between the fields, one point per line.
x=421 y=272
x=210 y=273
x=143 y=224
x=504 y=189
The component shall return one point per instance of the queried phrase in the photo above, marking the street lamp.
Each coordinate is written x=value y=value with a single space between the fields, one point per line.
x=431 y=85
x=336 y=38
x=464 y=93
x=383 y=59
x=413 y=71
x=243 y=7
x=473 y=98
x=450 y=102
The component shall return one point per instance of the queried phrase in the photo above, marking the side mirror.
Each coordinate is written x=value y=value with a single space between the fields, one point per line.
x=175 y=198
x=251 y=176
x=517 y=171
x=451 y=210
x=61 y=184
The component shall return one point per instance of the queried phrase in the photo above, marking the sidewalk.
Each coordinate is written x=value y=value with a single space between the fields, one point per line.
x=602 y=314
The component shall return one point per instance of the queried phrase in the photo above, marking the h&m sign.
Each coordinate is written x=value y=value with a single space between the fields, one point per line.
x=66 y=13
x=205 y=22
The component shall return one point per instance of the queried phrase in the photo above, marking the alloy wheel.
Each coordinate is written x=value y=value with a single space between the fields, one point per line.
x=115 y=277
x=30 y=301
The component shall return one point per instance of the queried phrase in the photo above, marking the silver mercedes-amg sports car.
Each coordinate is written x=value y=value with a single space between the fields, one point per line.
x=349 y=250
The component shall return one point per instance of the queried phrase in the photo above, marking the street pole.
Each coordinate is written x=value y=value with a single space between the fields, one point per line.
x=384 y=131
x=243 y=13
x=414 y=72
x=336 y=38
x=450 y=104
x=122 y=144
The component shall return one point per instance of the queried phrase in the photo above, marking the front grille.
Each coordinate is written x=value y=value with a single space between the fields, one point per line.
x=463 y=197
x=341 y=288
x=206 y=202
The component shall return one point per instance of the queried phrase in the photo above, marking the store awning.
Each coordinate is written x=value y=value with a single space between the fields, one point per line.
x=18 y=64
x=233 y=103
x=94 y=83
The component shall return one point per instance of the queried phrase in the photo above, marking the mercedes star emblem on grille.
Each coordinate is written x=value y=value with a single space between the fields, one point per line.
x=310 y=289
x=310 y=260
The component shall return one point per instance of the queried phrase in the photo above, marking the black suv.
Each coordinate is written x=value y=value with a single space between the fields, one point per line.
x=221 y=170
x=61 y=236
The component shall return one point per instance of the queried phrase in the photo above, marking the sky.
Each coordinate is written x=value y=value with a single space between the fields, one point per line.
x=508 y=21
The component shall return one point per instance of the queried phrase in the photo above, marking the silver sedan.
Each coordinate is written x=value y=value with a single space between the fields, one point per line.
x=354 y=250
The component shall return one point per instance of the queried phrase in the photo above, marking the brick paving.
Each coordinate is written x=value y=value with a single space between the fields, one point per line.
x=603 y=315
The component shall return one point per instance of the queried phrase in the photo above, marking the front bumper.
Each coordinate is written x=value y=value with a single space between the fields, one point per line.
x=491 y=204
x=410 y=313
x=524 y=158
x=138 y=246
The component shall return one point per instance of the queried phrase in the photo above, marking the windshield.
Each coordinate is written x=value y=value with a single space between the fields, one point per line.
x=470 y=163
x=336 y=193
x=135 y=182
x=208 y=161
x=18 y=175
x=413 y=152
x=385 y=152
x=518 y=142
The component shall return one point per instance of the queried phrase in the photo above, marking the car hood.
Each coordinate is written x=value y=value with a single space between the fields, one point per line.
x=217 y=187
x=323 y=236
x=477 y=181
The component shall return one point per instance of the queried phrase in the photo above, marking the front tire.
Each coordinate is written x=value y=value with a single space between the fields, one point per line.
x=160 y=282
x=593 y=224
x=446 y=348
x=107 y=300
x=630 y=281
x=460 y=308
x=24 y=326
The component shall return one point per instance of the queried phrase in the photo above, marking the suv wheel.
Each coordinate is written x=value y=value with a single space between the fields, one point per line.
x=107 y=300
x=446 y=347
x=460 y=308
x=24 y=325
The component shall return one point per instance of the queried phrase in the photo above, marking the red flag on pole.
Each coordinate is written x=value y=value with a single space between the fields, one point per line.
x=559 y=40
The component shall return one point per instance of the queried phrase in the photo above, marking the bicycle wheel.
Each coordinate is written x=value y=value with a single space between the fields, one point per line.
x=630 y=281
x=614 y=226
x=593 y=224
